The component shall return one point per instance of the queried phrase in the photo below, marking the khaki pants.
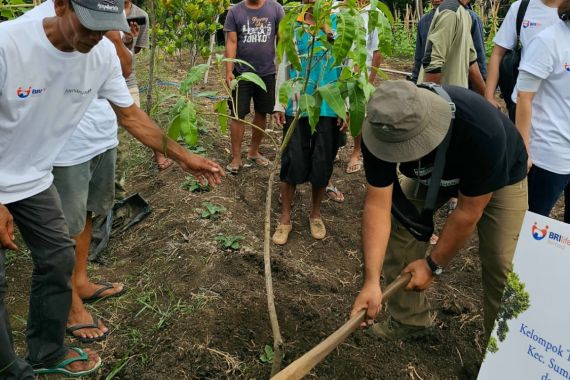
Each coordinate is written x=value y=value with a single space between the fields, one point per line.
x=498 y=231
x=122 y=150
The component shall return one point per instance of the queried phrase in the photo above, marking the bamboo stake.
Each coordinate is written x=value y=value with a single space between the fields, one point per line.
x=309 y=360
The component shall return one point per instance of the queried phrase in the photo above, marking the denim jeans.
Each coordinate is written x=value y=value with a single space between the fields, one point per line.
x=43 y=228
x=544 y=189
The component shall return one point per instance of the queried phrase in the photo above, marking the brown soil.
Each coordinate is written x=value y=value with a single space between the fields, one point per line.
x=196 y=311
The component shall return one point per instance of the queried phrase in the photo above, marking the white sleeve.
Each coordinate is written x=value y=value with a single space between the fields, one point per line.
x=280 y=78
x=506 y=37
x=537 y=58
x=114 y=89
x=374 y=41
x=528 y=82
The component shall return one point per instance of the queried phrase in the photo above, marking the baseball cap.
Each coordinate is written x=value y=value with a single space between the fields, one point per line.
x=404 y=122
x=101 y=15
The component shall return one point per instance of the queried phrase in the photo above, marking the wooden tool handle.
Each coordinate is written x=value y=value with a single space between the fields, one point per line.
x=309 y=360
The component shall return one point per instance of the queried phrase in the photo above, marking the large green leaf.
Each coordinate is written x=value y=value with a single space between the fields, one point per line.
x=285 y=92
x=332 y=96
x=239 y=61
x=221 y=109
x=357 y=109
x=286 y=44
x=189 y=125
x=322 y=12
x=346 y=33
x=174 y=128
x=254 y=78
x=314 y=111
x=306 y=101
x=194 y=75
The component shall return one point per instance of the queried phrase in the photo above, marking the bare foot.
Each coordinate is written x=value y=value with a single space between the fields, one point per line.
x=93 y=360
x=95 y=290
x=80 y=316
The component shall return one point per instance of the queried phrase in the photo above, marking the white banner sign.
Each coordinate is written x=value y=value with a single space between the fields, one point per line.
x=531 y=338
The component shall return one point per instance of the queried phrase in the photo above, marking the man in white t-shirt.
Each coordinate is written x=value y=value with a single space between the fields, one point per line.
x=539 y=15
x=57 y=67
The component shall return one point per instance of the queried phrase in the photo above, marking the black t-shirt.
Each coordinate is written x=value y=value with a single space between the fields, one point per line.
x=486 y=151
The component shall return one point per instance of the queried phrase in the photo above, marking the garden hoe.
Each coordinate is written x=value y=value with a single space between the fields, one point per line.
x=305 y=363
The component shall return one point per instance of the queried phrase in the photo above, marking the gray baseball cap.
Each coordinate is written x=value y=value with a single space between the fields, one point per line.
x=404 y=122
x=101 y=15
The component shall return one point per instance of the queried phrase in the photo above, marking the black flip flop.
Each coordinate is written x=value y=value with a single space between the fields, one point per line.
x=95 y=325
x=97 y=295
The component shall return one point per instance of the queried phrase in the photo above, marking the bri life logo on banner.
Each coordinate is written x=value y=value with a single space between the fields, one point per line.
x=23 y=93
x=567 y=67
x=551 y=237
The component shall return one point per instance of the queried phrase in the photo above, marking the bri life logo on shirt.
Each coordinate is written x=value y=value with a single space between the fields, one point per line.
x=24 y=92
x=530 y=24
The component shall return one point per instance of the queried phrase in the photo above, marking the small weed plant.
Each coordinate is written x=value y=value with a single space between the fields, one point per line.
x=210 y=210
x=229 y=242
x=267 y=355
x=192 y=185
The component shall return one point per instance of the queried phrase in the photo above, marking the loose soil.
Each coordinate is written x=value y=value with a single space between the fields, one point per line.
x=196 y=311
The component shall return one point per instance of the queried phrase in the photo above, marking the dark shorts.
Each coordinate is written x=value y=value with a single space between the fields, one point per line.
x=310 y=157
x=263 y=102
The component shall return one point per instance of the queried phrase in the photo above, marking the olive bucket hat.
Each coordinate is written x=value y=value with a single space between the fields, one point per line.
x=404 y=122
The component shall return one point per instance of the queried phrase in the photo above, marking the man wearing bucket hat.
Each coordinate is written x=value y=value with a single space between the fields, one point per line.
x=46 y=84
x=483 y=163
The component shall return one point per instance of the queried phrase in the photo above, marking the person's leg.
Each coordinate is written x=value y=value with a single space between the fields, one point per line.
x=355 y=162
x=260 y=120
x=241 y=98
x=287 y=193
x=544 y=189
x=11 y=367
x=498 y=231
x=43 y=228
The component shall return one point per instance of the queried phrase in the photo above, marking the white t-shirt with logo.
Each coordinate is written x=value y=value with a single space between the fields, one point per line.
x=44 y=93
x=537 y=17
x=548 y=57
x=372 y=40
x=97 y=130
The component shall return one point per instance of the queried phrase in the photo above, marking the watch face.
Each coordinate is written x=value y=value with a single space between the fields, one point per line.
x=438 y=271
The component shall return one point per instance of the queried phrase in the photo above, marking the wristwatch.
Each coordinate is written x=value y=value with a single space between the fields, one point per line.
x=435 y=268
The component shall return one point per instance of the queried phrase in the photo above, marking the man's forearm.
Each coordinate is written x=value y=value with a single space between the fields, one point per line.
x=376 y=224
x=523 y=118
x=457 y=229
x=231 y=51
x=124 y=54
x=493 y=71
x=376 y=61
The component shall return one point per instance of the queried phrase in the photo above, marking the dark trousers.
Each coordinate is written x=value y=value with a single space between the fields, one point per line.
x=544 y=189
x=43 y=228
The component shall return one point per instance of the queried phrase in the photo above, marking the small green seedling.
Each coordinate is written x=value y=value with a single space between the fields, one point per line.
x=267 y=355
x=210 y=210
x=229 y=242
x=193 y=185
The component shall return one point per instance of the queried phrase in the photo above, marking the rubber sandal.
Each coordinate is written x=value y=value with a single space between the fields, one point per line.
x=355 y=168
x=259 y=161
x=95 y=297
x=232 y=169
x=95 y=325
x=318 y=229
x=334 y=194
x=60 y=369
x=281 y=234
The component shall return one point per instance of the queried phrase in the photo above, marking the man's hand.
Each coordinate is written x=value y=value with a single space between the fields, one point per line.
x=494 y=102
x=422 y=276
x=369 y=298
x=528 y=164
x=279 y=118
x=135 y=29
x=203 y=169
x=342 y=124
x=7 y=229
x=229 y=78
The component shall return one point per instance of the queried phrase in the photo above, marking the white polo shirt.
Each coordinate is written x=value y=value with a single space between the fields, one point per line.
x=43 y=99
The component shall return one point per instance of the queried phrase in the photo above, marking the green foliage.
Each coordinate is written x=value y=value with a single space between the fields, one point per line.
x=349 y=94
x=267 y=355
x=194 y=186
x=182 y=23
x=403 y=41
x=515 y=301
x=229 y=242
x=210 y=210
x=10 y=9
x=492 y=346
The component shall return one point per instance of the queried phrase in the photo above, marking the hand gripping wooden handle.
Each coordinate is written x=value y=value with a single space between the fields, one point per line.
x=309 y=360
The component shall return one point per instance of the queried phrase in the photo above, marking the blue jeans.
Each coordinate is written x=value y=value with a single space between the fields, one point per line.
x=544 y=189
